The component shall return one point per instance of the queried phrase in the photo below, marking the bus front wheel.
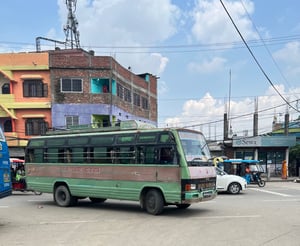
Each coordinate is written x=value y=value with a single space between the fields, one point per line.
x=154 y=202
x=63 y=197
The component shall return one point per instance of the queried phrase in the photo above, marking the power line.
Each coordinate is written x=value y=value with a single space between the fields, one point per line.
x=265 y=45
x=256 y=61
x=237 y=116
x=176 y=48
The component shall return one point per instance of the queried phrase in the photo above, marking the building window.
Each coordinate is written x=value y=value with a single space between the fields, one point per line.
x=72 y=120
x=127 y=95
x=136 y=99
x=5 y=89
x=35 y=88
x=8 y=126
x=35 y=126
x=145 y=104
x=99 y=85
x=71 y=85
x=120 y=91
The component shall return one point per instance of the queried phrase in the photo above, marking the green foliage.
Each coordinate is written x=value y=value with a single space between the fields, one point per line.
x=294 y=153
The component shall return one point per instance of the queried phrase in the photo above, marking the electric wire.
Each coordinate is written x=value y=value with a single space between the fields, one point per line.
x=256 y=61
x=265 y=45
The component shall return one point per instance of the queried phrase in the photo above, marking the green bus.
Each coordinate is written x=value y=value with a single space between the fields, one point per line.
x=157 y=167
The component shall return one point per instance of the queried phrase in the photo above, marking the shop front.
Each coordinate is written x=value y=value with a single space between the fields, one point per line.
x=271 y=151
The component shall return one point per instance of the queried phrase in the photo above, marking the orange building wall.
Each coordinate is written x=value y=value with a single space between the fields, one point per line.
x=17 y=86
x=17 y=67
x=19 y=60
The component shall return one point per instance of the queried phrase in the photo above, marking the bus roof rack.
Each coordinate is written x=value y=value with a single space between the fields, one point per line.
x=119 y=126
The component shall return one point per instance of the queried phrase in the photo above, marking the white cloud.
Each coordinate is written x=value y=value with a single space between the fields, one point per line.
x=207 y=113
x=290 y=56
x=153 y=63
x=212 y=66
x=162 y=87
x=104 y=24
x=212 y=24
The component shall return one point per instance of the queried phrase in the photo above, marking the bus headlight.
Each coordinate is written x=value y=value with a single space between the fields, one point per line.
x=189 y=187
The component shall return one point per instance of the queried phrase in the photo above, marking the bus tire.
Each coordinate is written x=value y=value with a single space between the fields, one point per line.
x=154 y=202
x=63 y=197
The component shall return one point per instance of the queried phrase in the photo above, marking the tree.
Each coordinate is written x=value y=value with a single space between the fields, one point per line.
x=294 y=160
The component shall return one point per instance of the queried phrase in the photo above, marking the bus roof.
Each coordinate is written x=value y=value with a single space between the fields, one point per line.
x=121 y=126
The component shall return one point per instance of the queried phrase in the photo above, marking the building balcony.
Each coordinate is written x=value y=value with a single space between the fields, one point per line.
x=13 y=140
x=7 y=98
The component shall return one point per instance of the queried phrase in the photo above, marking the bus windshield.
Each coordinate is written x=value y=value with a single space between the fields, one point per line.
x=195 y=148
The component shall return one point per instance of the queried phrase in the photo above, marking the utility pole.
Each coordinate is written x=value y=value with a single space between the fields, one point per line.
x=70 y=29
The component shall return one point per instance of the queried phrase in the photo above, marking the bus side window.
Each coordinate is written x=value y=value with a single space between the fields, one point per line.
x=101 y=155
x=168 y=156
x=68 y=155
x=140 y=155
x=55 y=155
x=30 y=155
x=113 y=154
x=127 y=155
x=150 y=155
x=90 y=155
x=35 y=155
x=61 y=155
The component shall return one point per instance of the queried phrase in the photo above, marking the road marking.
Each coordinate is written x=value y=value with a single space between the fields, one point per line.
x=286 y=200
x=3 y=206
x=271 y=192
x=40 y=200
x=68 y=222
x=231 y=216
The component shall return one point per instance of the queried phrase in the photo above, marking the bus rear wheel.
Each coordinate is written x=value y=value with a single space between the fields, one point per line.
x=63 y=197
x=154 y=202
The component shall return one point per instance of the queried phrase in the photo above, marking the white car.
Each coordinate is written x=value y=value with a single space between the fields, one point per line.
x=230 y=183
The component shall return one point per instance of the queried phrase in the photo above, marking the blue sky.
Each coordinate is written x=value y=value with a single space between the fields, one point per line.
x=190 y=45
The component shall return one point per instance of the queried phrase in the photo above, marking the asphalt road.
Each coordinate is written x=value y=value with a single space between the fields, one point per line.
x=259 y=216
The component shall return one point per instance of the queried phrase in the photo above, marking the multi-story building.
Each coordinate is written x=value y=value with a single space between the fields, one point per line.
x=67 y=88
x=88 y=89
x=25 y=108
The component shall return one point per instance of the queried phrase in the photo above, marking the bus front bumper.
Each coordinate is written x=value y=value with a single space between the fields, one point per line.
x=193 y=197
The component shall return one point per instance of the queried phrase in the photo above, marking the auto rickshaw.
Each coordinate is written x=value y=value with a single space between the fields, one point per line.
x=17 y=167
x=238 y=167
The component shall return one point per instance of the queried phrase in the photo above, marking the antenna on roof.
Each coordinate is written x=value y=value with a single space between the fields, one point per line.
x=70 y=29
